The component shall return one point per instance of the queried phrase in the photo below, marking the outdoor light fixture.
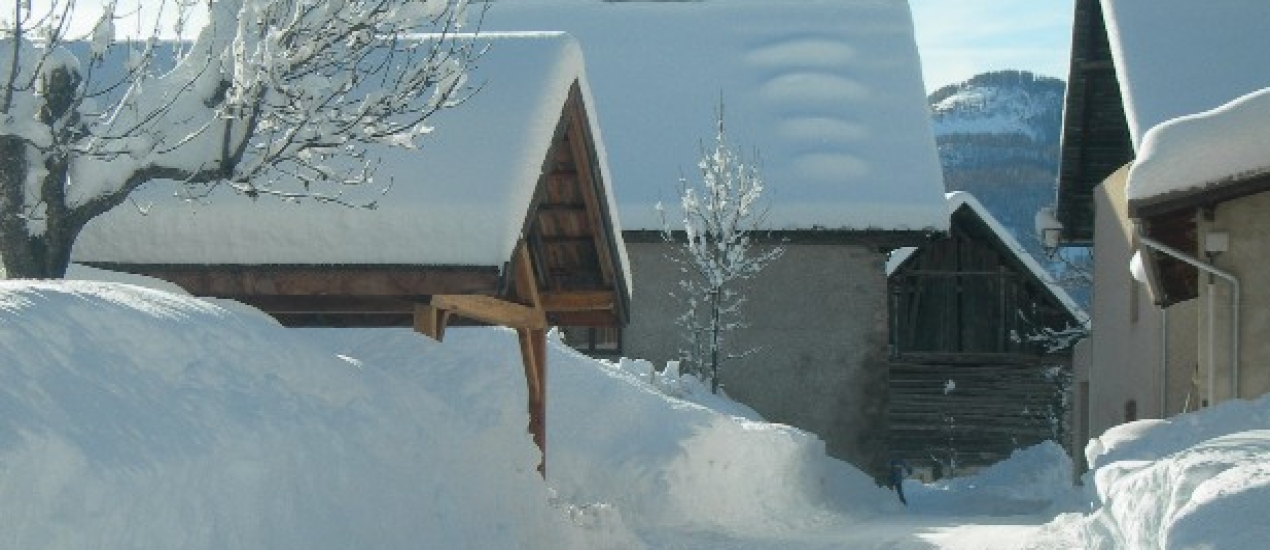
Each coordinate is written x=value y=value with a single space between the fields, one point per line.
x=1049 y=229
x=1216 y=242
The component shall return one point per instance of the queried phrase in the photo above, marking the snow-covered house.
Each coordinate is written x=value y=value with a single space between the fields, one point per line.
x=830 y=97
x=980 y=345
x=1167 y=193
x=504 y=216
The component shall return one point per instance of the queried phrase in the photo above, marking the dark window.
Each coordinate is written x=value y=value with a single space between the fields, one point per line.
x=594 y=340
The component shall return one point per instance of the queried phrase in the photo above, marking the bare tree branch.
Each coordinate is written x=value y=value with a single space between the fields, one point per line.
x=287 y=99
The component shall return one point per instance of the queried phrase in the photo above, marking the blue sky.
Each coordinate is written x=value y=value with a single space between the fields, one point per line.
x=957 y=38
x=961 y=38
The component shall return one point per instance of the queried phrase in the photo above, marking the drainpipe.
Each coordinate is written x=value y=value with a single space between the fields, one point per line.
x=1164 y=363
x=1234 y=311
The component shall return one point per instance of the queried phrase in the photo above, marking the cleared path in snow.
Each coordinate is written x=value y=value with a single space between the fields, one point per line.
x=898 y=532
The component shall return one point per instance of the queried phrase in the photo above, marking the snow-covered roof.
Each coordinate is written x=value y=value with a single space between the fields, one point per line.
x=461 y=199
x=959 y=199
x=1195 y=152
x=1180 y=57
x=828 y=92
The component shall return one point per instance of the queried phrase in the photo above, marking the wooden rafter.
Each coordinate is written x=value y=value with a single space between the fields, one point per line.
x=491 y=310
x=582 y=159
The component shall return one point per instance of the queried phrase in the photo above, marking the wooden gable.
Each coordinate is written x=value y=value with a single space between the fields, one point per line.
x=570 y=233
x=967 y=297
x=1095 y=140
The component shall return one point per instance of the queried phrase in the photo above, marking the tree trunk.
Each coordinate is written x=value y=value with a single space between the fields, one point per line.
x=15 y=250
x=36 y=257
x=27 y=256
x=714 y=340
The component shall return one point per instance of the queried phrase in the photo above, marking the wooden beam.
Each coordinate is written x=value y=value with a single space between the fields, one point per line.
x=359 y=281
x=431 y=321
x=494 y=311
x=586 y=186
x=282 y=305
x=592 y=300
x=524 y=278
x=584 y=318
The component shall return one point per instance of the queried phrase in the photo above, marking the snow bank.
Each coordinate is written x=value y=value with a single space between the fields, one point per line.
x=1031 y=480
x=1199 y=480
x=1155 y=439
x=137 y=418
x=662 y=461
x=134 y=418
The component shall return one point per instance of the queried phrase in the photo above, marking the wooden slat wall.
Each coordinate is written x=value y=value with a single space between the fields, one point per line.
x=1095 y=139
x=993 y=410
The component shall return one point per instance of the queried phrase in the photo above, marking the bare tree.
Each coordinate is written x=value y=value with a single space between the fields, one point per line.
x=719 y=214
x=282 y=98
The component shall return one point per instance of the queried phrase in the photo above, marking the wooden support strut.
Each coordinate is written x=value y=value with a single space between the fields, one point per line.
x=528 y=319
x=533 y=350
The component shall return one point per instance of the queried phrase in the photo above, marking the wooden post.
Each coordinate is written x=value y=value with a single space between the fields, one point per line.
x=533 y=351
x=531 y=329
x=526 y=315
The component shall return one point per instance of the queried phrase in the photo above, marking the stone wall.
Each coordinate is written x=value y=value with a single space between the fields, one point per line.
x=818 y=320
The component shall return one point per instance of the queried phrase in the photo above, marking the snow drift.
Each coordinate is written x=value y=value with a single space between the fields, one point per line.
x=134 y=418
x=140 y=418
x=1030 y=481
x=1199 y=480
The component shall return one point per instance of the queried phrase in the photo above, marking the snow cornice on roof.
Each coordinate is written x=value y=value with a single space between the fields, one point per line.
x=1180 y=57
x=461 y=199
x=1201 y=153
x=827 y=94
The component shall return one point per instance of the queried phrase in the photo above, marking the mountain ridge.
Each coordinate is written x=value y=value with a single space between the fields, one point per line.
x=998 y=138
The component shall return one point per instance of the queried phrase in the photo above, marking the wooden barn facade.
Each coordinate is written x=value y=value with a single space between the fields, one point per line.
x=969 y=383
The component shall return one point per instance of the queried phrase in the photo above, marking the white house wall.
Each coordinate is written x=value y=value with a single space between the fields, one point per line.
x=1247 y=225
x=1129 y=331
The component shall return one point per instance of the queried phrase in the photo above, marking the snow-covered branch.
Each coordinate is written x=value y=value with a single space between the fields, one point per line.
x=280 y=98
x=719 y=214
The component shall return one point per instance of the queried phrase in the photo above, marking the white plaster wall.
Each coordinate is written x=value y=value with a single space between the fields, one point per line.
x=1128 y=328
x=1246 y=222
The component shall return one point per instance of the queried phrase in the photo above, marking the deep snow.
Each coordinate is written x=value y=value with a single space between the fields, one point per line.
x=140 y=418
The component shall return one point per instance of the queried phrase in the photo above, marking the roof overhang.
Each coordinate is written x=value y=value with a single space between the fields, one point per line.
x=1172 y=219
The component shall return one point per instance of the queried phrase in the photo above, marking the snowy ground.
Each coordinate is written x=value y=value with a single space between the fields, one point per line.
x=138 y=418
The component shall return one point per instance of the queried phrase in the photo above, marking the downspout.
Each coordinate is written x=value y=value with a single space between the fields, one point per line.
x=1164 y=363
x=1234 y=310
